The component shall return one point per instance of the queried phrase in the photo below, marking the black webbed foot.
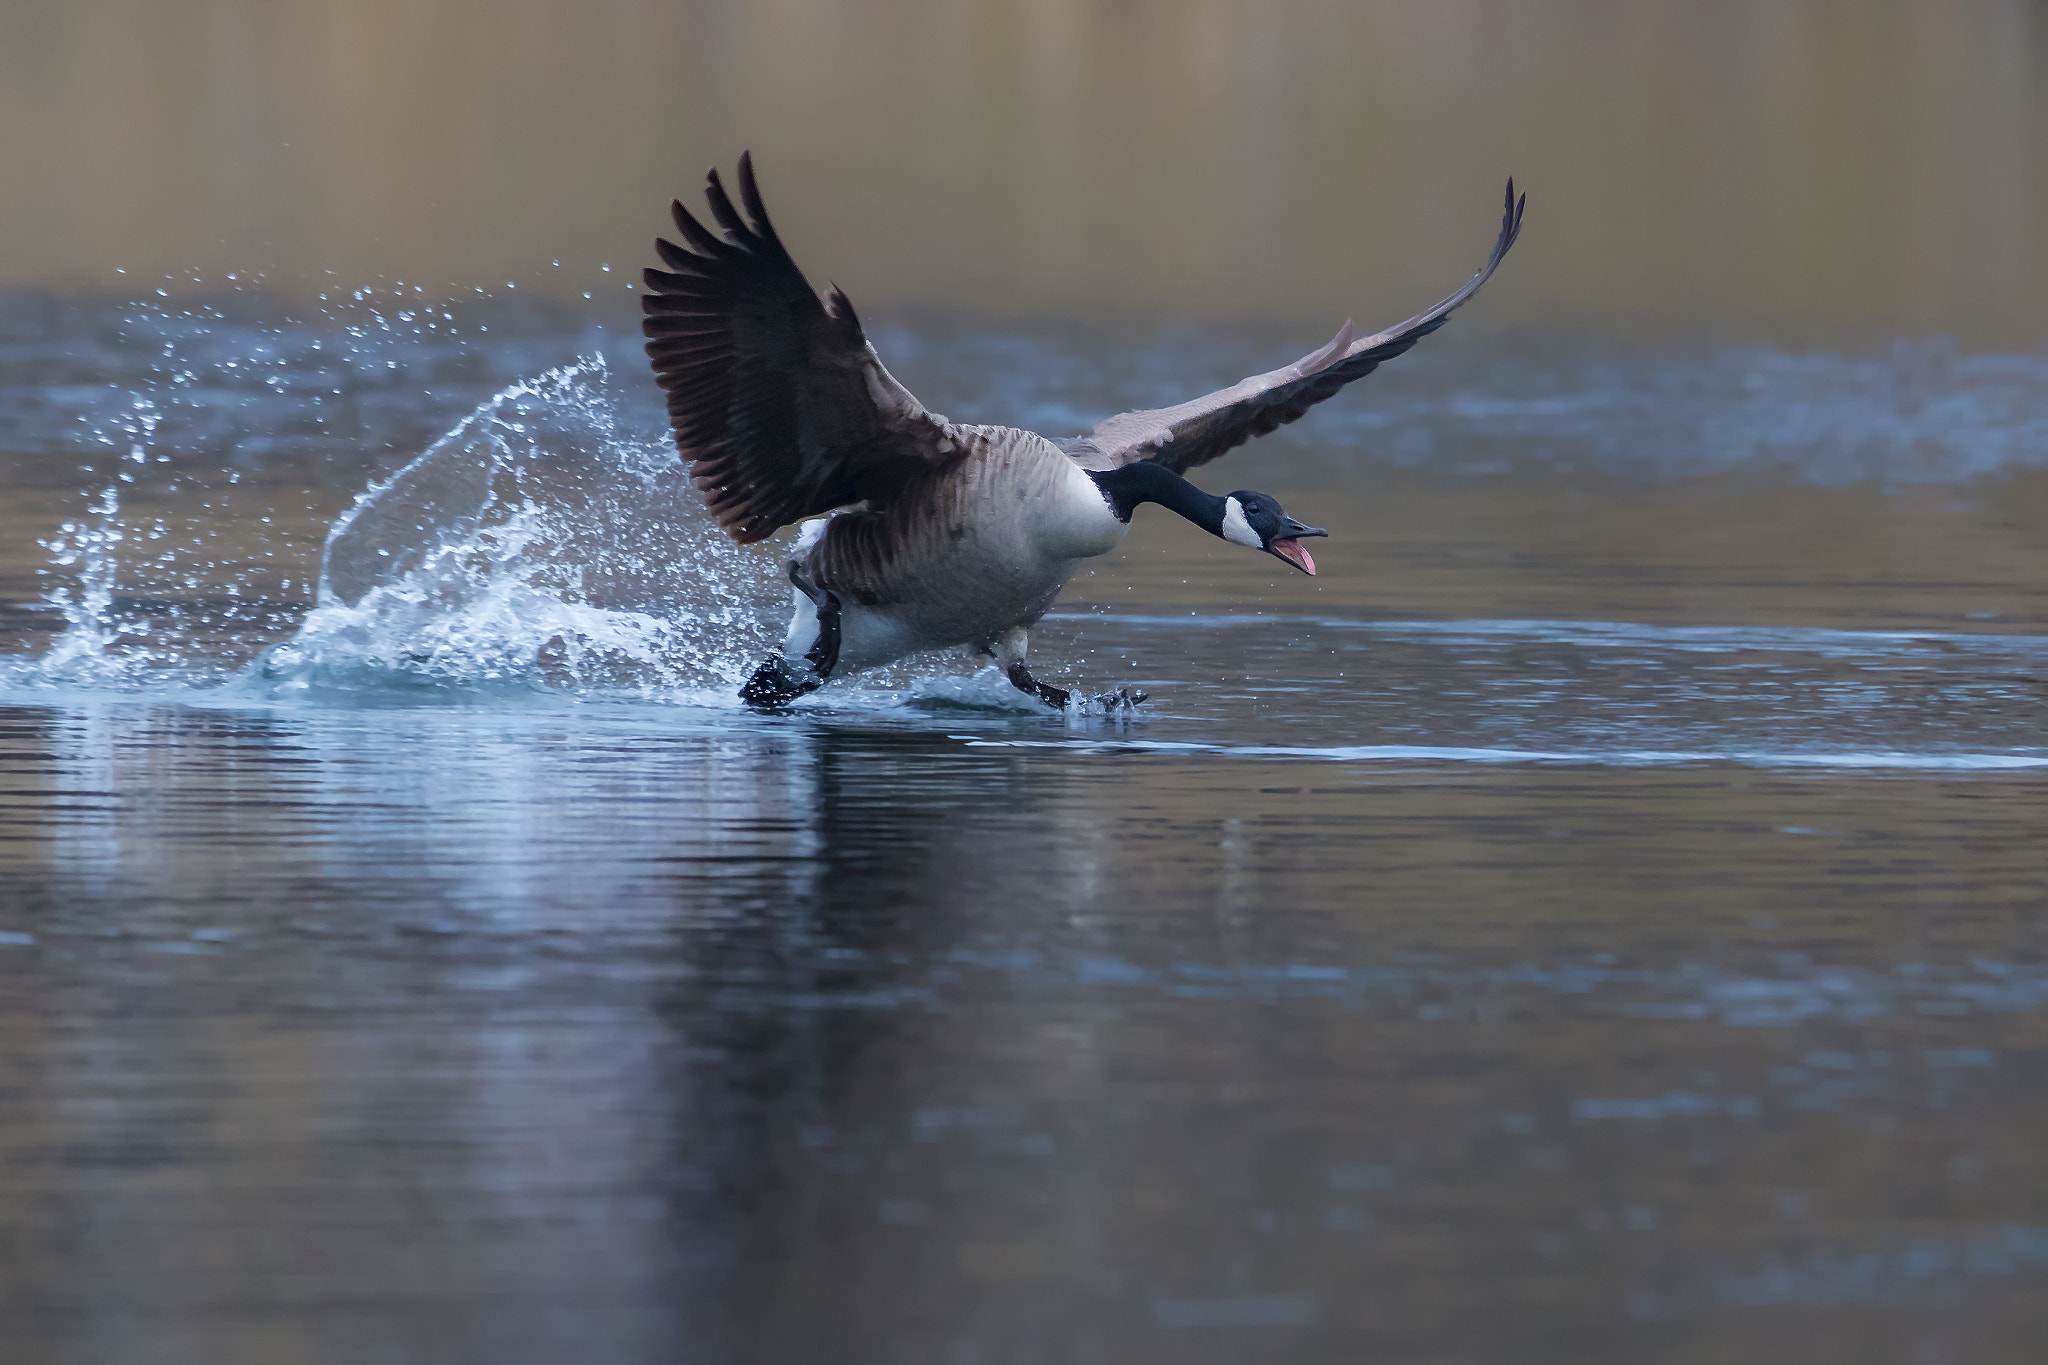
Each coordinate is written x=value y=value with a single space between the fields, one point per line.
x=1021 y=679
x=1058 y=697
x=776 y=683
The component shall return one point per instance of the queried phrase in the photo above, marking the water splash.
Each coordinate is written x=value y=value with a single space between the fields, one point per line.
x=538 y=545
x=88 y=650
x=547 y=541
x=83 y=652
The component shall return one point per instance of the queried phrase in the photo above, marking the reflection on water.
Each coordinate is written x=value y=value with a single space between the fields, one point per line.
x=578 y=1031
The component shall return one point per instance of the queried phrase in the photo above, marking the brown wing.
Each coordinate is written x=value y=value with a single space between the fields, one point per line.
x=774 y=393
x=1197 y=432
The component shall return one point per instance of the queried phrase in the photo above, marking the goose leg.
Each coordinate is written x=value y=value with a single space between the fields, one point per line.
x=823 y=655
x=778 y=682
x=1008 y=649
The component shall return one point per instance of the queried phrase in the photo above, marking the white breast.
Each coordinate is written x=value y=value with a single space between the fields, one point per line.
x=1019 y=520
x=1073 y=520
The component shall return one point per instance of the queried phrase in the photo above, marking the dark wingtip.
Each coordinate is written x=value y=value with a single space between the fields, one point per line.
x=840 y=308
x=695 y=234
x=728 y=217
x=757 y=211
x=1510 y=218
x=675 y=257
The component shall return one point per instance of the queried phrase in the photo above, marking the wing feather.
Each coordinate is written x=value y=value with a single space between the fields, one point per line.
x=1196 y=432
x=775 y=397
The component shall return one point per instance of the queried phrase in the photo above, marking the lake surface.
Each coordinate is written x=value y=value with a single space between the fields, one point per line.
x=1603 y=916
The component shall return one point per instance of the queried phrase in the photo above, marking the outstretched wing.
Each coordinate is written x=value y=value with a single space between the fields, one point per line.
x=1197 y=432
x=774 y=393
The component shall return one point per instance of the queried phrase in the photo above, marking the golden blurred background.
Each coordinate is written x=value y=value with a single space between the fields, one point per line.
x=1793 y=169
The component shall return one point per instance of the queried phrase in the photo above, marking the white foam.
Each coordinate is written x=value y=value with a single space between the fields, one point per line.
x=533 y=546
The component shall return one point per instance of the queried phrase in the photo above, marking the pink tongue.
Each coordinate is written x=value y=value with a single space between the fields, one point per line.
x=1293 y=552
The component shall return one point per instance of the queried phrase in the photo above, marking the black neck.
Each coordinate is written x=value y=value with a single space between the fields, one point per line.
x=1143 y=481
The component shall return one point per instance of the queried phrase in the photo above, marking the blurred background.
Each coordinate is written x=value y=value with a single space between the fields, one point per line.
x=1781 y=168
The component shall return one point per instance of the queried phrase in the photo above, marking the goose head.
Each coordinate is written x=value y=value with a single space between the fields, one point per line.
x=1255 y=520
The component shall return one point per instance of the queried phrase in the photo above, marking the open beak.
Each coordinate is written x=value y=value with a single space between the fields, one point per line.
x=1287 y=545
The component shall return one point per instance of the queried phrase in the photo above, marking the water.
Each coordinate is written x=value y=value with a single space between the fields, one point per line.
x=1602 y=917
x=1598 y=918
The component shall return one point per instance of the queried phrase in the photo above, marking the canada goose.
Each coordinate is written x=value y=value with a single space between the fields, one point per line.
x=932 y=534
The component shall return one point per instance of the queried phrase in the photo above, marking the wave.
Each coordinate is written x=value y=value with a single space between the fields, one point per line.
x=1873 y=760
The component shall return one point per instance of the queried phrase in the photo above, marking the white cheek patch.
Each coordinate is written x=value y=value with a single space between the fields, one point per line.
x=1236 y=528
